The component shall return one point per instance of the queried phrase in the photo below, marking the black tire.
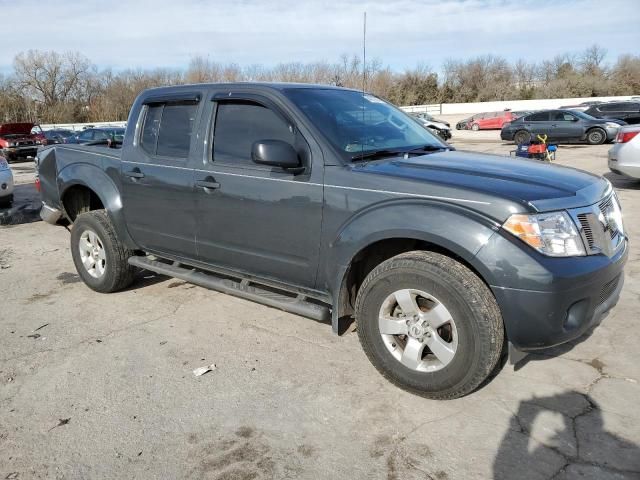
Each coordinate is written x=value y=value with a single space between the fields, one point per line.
x=521 y=136
x=475 y=127
x=478 y=322
x=596 y=136
x=118 y=274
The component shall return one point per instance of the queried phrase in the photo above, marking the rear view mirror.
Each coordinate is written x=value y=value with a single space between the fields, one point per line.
x=275 y=153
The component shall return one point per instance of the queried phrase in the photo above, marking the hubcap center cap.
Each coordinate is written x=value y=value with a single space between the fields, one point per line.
x=417 y=328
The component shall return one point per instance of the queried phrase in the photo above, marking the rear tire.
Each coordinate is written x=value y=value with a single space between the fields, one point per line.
x=475 y=127
x=521 y=136
x=100 y=258
x=596 y=136
x=442 y=362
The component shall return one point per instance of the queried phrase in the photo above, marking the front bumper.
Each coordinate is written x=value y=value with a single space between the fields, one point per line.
x=537 y=319
x=20 y=152
x=621 y=166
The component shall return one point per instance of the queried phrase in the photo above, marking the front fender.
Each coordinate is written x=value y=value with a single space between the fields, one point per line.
x=457 y=229
x=94 y=178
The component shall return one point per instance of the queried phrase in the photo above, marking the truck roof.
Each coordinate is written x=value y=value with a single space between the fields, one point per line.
x=269 y=85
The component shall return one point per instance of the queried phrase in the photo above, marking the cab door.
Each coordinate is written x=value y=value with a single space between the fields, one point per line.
x=261 y=220
x=158 y=184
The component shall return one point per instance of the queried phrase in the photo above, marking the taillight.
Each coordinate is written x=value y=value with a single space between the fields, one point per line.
x=37 y=183
x=624 y=137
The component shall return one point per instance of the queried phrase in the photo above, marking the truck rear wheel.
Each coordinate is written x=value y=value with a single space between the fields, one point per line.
x=429 y=325
x=100 y=258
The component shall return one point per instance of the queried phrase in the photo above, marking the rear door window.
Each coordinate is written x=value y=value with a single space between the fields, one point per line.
x=537 y=117
x=561 y=117
x=168 y=128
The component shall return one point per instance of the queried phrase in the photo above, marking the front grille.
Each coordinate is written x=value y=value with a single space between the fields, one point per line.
x=598 y=228
x=606 y=206
x=607 y=289
x=586 y=229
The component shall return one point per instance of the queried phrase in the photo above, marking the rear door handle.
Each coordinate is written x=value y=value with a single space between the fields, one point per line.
x=208 y=184
x=135 y=173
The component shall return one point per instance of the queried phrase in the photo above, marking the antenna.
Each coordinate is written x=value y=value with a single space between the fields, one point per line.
x=364 y=54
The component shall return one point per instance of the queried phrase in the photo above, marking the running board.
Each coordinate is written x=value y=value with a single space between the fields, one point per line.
x=292 y=303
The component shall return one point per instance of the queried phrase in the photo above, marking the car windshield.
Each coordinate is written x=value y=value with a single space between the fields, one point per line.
x=360 y=124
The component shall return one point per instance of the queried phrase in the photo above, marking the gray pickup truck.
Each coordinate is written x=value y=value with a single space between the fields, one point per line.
x=335 y=205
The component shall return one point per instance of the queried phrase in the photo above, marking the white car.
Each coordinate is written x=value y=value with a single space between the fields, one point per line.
x=6 y=183
x=624 y=156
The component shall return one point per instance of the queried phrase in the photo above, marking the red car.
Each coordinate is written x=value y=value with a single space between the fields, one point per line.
x=490 y=120
x=17 y=141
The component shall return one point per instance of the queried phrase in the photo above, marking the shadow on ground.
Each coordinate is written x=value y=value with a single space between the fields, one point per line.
x=566 y=432
x=25 y=208
x=621 y=182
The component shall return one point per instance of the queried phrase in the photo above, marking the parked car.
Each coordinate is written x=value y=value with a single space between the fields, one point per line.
x=489 y=120
x=430 y=118
x=627 y=111
x=462 y=124
x=440 y=129
x=331 y=203
x=561 y=126
x=581 y=106
x=95 y=134
x=6 y=183
x=17 y=141
x=624 y=156
x=52 y=137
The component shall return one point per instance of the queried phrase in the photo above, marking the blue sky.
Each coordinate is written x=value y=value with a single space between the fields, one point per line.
x=403 y=33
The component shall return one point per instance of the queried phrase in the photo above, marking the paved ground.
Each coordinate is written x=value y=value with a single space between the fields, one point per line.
x=100 y=386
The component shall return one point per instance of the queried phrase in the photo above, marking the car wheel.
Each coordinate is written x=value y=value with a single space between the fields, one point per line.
x=429 y=325
x=596 y=136
x=475 y=127
x=521 y=136
x=6 y=202
x=100 y=258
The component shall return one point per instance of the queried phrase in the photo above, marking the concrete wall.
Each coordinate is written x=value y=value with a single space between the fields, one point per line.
x=80 y=126
x=478 y=107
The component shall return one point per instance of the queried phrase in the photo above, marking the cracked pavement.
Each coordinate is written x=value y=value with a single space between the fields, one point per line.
x=105 y=389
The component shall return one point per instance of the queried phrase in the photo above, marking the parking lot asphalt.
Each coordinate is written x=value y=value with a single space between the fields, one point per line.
x=101 y=386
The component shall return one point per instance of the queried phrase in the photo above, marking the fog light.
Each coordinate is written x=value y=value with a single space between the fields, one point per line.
x=3 y=186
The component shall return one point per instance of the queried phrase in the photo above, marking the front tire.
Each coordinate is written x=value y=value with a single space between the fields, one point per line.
x=475 y=127
x=596 y=136
x=429 y=325
x=100 y=258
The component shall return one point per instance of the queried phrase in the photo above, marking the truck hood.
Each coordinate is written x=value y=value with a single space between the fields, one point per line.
x=16 y=129
x=535 y=184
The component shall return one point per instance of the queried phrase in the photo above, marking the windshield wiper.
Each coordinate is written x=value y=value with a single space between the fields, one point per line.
x=375 y=154
x=428 y=148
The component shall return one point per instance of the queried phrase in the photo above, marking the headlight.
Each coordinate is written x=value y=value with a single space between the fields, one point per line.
x=552 y=234
x=4 y=165
x=12 y=144
x=612 y=125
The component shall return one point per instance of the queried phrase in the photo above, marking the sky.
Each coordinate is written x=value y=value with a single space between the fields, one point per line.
x=121 y=34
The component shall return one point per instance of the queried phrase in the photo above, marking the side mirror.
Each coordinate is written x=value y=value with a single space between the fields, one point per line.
x=276 y=153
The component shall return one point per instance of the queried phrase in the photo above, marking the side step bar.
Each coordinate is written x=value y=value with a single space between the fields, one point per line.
x=242 y=288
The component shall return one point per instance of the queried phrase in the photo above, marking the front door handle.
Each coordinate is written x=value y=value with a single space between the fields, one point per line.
x=135 y=173
x=208 y=184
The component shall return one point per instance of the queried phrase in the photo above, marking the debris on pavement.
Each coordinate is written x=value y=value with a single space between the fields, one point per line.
x=202 y=370
x=34 y=336
x=41 y=327
x=61 y=422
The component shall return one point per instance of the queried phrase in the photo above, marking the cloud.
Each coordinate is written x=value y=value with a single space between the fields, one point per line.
x=402 y=33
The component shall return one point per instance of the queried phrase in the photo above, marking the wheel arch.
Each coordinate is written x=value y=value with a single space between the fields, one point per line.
x=85 y=187
x=461 y=238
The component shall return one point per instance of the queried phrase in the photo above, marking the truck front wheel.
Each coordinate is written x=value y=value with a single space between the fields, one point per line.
x=100 y=258
x=429 y=324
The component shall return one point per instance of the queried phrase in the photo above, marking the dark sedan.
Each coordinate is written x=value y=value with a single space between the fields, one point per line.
x=53 y=137
x=96 y=134
x=560 y=126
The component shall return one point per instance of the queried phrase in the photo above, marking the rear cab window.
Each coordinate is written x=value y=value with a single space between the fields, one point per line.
x=167 y=129
x=537 y=117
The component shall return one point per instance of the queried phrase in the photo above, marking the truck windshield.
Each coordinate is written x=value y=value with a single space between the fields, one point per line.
x=359 y=125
